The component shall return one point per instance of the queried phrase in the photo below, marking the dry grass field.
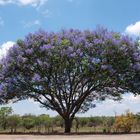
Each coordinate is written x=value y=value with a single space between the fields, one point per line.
x=72 y=137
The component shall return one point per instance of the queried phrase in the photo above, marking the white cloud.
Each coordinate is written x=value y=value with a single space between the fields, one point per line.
x=31 y=23
x=133 y=29
x=34 y=3
x=132 y=98
x=105 y=108
x=110 y=107
x=4 y=2
x=46 y=13
x=1 y=22
x=33 y=102
x=5 y=47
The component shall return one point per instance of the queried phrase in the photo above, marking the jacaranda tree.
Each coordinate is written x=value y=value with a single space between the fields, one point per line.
x=70 y=70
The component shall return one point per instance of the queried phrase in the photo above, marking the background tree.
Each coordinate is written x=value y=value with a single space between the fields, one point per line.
x=68 y=71
x=124 y=122
x=38 y=123
x=42 y=122
x=4 y=114
x=13 y=122
x=137 y=121
x=83 y=121
x=76 y=124
x=58 y=121
x=46 y=122
x=28 y=121
x=108 y=123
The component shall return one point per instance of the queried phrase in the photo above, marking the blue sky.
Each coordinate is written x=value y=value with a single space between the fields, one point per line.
x=19 y=17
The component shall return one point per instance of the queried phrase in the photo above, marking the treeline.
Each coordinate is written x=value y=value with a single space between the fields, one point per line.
x=28 y=123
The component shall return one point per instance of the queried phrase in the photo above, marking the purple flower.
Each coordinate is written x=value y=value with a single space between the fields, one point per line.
x=39 y=62
x=97 y=41
x=136 y=56
x=108 y=36
x=70 y=49
x=78 y=40
x=136 y=66
x=29 y=51
x=125 y=39
x=1 y=87
x=95 y=60
x=115 y=41
x=36 y=78
x=79 y=52
x=46 y=47
x=87 y=44
x=104 y=67
x=72 y=54
x=21 y=59
x=26 y=42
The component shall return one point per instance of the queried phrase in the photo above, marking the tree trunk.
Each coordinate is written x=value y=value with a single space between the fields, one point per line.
x=11 y=129
x=68 y=125
x=4 y=125
x=15 y=129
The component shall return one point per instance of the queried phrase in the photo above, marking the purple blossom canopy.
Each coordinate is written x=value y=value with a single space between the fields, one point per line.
x=68 y=70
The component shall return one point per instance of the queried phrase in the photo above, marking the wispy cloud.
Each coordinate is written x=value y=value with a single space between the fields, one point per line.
x=46 y=13
x=133 y=29
x=33 y=3
x=31 y=23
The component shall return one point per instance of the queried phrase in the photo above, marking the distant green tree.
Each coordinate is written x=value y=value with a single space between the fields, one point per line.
x=13 y=122
x=76 y=124
x=137 y=121
x=38 y=123
x=4 y=114
x=58 y=121
x=45 y=122
x=108 y=123
x=83 y=121
x=28 y=121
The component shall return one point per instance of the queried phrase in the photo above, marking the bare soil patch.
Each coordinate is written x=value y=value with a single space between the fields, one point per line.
x=71 y=137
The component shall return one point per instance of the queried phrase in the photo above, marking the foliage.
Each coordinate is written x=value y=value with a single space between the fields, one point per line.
x=28 y=121
x=124 y=122
x=83 y=121
x=58 y=121
x=46 y=124
x=137 y=117
x=13 y=122
x=4 y=113
x=68 y=71
x=42 y=121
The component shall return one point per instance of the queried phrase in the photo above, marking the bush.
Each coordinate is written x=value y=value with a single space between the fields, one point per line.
x=124 y=122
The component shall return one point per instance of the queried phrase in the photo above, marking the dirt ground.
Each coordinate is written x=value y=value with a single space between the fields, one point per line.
x=76 y=137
